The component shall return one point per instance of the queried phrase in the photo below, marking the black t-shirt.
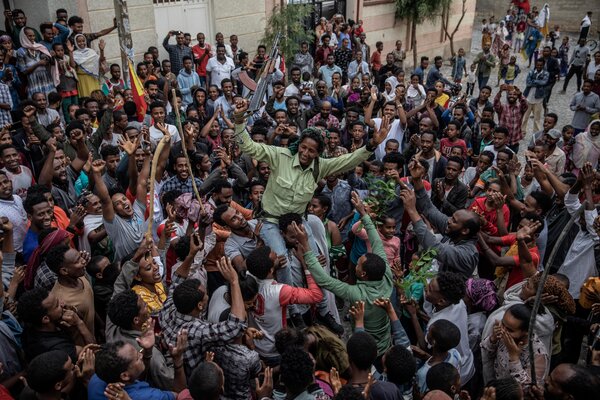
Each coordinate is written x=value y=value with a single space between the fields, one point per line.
x=38 y=342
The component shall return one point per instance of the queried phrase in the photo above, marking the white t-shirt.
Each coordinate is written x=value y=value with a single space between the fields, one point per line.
x=585 y=22
x=219 y=71
x=21 y=181
x=493 y=150
x=156 y=135
x=396 y=132
x=217 y=304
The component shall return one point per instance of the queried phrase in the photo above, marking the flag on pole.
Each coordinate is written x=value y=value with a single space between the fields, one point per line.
x=137 y=90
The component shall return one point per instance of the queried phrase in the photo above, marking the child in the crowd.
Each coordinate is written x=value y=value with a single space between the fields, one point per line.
x=67 y=87
x=387 y=230
x=452 y=139
x=510 y=71
x=443 y=336
x=568 y=141
x=471 y=79
x=563 y=56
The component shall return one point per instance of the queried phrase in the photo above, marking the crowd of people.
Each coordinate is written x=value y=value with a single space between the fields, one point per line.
x=373 y=231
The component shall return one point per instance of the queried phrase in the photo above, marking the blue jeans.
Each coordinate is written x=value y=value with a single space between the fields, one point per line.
x=271 y=235
x=482 y=81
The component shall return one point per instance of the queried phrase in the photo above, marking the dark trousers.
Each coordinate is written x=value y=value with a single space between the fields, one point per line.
x=574 y=70
x=547 y=95
x=584 y=32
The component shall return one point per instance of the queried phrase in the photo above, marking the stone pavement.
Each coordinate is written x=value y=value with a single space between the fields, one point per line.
x=559 y=103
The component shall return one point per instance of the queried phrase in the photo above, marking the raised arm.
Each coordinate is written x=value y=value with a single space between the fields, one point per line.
x=108 y=212
x=106 y=31
x=47 y=171
x=78 y=142
x=231 y=276
x=130 y=148
x=369 y=108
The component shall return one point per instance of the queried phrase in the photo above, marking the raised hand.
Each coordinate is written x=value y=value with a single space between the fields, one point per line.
x=301 y=235
x=588 y=174
x=129 y=146
x=241 y=108
x=29 y=111
x=358 y=204
x=358 y=313
x=209 y=356
x=196 y=244
x=85 y=367
x=409 y=199
x=178 y=349
x=373 y=93
x=101 y=44
x=226 y=269
x=98 y=166
x=386 y=304
x=416 y=169
x=526 y=232
x=380 y=134
x=161 y=126
x=334 y=379
x=266 y=389
x=77 y=215
x=147 y=338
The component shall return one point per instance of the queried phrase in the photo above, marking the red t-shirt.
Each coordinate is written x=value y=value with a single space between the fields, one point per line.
x=516 y=273
x=198 y=53
x=446 y=146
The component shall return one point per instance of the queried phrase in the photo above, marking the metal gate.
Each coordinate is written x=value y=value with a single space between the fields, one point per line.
x=191 y=16
x=322 y=8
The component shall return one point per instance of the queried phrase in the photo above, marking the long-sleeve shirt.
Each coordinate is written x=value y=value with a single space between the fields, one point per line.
x=291 y=187
x=590 y=104
x=377 y=322
x=273 y=299
x=510 y=116
x=580 y=262
x=176 y=54
x=579 y=56
x=461 y=257
x=200 y=332
x=353 y=69
x=519 y=370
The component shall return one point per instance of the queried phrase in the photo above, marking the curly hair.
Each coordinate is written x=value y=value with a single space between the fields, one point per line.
x=109 y=364
x=349 y=392
x=400 y=365
x=123 y=308
x=506 y=389
x=205 y=382
x=187 y=296
x=46 y=370
x=362 y=350
x=55 y=257
x=452 y=286
x=553 y=286
x=296 y=370
x=445 y=334
x=30 y=307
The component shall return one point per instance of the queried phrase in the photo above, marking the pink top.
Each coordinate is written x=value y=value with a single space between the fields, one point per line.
x=390 y=246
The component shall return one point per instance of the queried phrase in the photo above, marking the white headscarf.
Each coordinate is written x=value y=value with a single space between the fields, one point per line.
x=29 y=45
x=587 y=147
x=87 y=59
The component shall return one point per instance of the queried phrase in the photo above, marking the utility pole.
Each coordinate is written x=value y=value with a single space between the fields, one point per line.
x=124 y=30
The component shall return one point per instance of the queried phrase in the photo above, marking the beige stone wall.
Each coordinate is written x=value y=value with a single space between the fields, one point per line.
x=246 y=19
x=380 y=24
x=100 y=14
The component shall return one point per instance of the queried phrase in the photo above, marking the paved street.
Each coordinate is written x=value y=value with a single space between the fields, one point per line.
x=559 y=103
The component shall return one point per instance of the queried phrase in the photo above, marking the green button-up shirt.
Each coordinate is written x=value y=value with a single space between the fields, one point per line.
x=290 y=187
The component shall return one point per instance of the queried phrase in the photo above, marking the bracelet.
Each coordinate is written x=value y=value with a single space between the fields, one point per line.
x=178 y=366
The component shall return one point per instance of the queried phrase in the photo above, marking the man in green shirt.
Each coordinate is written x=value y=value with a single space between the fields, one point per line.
x=373 y=274
x=295 y=174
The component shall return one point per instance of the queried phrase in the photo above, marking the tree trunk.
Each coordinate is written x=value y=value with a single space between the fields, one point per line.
x=413 y=39
x=452 y=44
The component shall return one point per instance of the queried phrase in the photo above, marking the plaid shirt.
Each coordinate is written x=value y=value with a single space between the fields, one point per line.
x=5 y=118
x=44 y=277
x=510 y=116
x=200 y=332
x=174 y=183
x=176 y=54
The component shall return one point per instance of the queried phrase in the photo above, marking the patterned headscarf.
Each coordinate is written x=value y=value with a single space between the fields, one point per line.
x=553 y=286
x=187 y=207
x=482 y=293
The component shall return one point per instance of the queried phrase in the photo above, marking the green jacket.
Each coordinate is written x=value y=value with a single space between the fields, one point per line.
x=377 y=322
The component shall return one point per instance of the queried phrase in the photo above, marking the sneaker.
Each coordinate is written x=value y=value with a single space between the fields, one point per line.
x=330 y=323
x=297 y=321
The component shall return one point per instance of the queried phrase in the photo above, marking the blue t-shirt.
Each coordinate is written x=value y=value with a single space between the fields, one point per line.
x=452 y=358
x=29 y=244
x=139 y=390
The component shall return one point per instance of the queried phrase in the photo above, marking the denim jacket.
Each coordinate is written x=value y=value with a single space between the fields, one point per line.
x=537 y=80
